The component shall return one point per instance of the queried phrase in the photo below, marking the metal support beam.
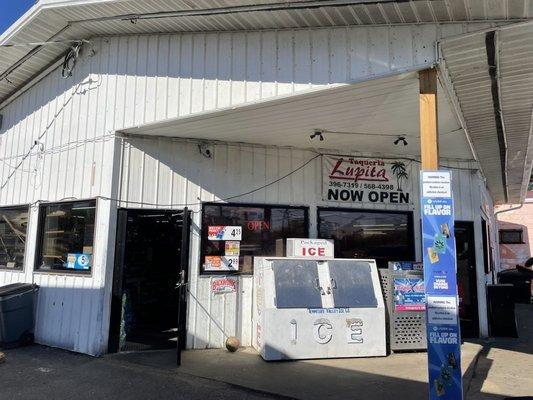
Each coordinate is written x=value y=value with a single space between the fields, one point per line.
x=429 y=139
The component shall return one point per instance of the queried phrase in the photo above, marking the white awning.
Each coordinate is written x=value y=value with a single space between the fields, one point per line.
x=363 y=117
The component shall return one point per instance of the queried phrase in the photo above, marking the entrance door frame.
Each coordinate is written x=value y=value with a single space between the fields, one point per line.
x=118 y=268
x=471 y=228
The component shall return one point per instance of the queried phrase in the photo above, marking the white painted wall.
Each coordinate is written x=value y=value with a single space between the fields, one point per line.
x=133 y=80
x=73 y=120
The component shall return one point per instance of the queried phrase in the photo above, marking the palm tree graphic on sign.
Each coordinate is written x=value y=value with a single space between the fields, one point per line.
x=399 y=171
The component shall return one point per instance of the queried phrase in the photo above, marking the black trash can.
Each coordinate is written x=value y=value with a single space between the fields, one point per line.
x=500 y=306
x=520 y=277
x=17 y=304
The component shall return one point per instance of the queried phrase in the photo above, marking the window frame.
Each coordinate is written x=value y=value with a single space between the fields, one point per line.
x=24 y=263
x=202 y=272
x=39 y=239
x=503 y=230
x=408 y=213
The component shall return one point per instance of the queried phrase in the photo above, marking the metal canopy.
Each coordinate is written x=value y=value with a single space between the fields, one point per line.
x=59 y=20
x=363 y=117
x=492 y=75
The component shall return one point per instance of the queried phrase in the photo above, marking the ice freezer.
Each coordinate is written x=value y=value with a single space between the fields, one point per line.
x=317 y=308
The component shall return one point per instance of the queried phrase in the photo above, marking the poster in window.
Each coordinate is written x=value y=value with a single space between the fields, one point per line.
x=221 y=263
x=409 y=294
x=79 y=261
x=220 y=232
x=366 y=180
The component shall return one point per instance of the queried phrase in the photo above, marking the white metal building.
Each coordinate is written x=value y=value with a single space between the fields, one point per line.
x=172 y=106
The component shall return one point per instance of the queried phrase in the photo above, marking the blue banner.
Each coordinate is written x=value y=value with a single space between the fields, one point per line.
x=440 y=280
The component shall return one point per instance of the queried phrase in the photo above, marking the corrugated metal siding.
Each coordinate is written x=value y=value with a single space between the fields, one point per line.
x=201 y=72
x=173 y=173
x=73 y=122
x=466 y=62
x=191 y=73
x=45 y=56
x=71 y=18
x=139 y=79
x=515 y=65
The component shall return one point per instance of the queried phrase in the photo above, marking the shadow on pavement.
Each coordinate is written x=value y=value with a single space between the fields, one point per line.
x=492 y=369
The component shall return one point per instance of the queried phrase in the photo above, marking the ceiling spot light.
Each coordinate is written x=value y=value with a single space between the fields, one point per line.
x=317 y=133
x=400 y=139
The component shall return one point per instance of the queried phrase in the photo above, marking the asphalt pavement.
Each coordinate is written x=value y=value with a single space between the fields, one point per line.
x=38 y=372
x=493 y=369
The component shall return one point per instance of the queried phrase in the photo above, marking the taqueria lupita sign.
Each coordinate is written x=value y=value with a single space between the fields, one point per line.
x=366 y=180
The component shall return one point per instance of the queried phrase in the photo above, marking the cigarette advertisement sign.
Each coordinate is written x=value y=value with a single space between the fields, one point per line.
x=221 y=263
x=440 y=279
x=366 y=180
x=224 y=233
x=409 y=294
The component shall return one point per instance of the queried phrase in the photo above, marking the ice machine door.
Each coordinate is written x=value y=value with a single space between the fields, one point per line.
x=351 y=283
x=297 y=284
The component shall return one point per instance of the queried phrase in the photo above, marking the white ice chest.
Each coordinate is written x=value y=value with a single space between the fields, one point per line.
x=325 y=308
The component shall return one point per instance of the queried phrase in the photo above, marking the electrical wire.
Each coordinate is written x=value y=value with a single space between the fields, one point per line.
x=71 y=58
x=51 y=42
x=225 y=199
x=232 y=197
x=37 y=141
x=197 y=203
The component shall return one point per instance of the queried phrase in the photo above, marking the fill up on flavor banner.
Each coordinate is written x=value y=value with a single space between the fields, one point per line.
x=366 y=180
x=231 y=236
x=440 y=278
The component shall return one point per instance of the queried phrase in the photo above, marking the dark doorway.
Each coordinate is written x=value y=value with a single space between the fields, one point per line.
x=466 y=279
x=148 y=304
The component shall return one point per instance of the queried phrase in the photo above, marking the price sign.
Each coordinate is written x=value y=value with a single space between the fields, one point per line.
x=220 y=232
x=221 y=263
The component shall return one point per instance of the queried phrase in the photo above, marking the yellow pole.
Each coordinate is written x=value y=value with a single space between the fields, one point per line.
x=429 y=139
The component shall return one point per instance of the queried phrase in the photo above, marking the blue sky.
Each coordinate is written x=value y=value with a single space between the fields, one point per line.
x=11 y=10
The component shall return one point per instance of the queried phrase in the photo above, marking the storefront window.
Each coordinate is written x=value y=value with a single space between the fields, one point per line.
x=380 y=235
x=66 y=234
x=233 y=234
x=13 y=227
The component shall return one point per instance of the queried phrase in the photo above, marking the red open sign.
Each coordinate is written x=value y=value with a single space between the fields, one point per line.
x=258 y=225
